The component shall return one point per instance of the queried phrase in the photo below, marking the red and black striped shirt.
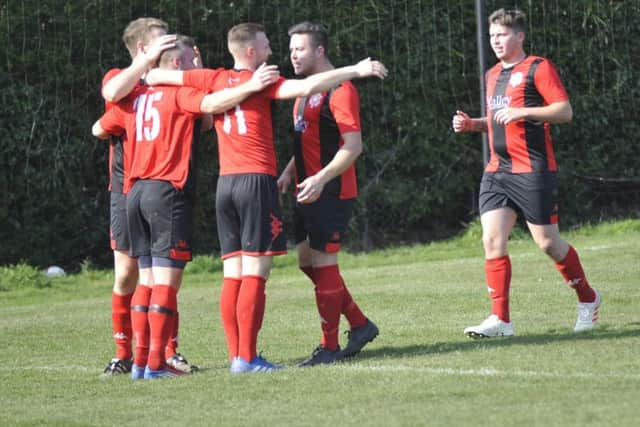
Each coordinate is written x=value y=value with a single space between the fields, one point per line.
x=319 y=123
x=522 y=146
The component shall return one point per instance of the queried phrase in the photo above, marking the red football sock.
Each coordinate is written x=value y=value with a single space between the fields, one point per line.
x=228 y=303
x=350 y=309
x=498 y=276
x=250 y=311
x=172 y=345
x=308 y=270
x=572 y=272
x=162 y=307
x=121 y=322
x=140 y=323
x=329 y=295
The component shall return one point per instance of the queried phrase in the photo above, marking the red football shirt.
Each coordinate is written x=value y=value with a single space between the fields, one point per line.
x=245 y=133
x=120 y=152
x=319 y=130
x=522 y=146
x=159 y=122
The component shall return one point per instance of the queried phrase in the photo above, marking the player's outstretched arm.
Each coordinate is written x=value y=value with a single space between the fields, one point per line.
x=462 y=122
x=223 y=100
x=324 y=81
x=159 y=76
x=123 y=83
x=311 y=188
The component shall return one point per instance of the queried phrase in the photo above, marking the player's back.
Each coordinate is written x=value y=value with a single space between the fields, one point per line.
x=161 y=123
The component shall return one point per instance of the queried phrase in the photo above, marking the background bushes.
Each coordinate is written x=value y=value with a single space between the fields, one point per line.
x=417 y=179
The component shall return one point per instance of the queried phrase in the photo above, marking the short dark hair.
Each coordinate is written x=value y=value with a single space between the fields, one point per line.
x=318 y=33
x=182 y=43
x=511 y=18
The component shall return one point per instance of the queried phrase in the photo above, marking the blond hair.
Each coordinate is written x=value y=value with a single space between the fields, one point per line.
x=139 y=31
x=242 y=34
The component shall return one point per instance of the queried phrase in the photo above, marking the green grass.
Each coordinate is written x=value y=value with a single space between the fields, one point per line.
x=421 y=370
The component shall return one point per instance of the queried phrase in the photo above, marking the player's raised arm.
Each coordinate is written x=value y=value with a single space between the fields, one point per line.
x=123 y=83
x=159 y=76
x=221 y=101
x=462 y=122
x=326 y=80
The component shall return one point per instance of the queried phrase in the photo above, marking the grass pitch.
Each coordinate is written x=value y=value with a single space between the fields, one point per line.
x=421 y=370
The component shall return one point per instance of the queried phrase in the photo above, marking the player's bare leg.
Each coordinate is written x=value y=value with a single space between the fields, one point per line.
x=568 y=264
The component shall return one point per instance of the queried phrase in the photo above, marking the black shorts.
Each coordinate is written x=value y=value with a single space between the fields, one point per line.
x=534 y=194
x=324 y=222
x=248 y=216
x=118 y=231
x=160 y=220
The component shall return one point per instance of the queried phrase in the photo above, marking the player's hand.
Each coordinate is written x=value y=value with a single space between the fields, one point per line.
x=284 y=182
x=367 y=68
x=264 y=76
x=159 y=45
x=461 y=122
x=310 y=189
x=197 y=58
x=507 y=115
x=151 y=78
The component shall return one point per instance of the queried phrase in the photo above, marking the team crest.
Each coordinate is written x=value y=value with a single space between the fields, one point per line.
x=301 y=126
x=516 y=79
x=315 y=100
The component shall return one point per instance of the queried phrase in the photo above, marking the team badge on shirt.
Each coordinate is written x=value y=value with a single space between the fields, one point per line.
x=315 y=100
x=301 y=126
x=516 y=79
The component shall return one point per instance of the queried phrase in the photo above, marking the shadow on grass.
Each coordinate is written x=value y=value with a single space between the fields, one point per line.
x=471 y=344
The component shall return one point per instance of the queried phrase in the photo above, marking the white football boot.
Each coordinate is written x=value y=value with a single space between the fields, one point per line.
x=588 y=314
x=491 y=327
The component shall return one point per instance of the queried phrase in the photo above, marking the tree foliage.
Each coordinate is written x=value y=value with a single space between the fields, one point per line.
x=417 y=179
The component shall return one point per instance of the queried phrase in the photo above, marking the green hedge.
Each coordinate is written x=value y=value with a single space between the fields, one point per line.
x=417 y=179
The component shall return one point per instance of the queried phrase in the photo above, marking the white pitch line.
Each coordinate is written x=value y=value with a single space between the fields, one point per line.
x=479 y=372
x=487 y=372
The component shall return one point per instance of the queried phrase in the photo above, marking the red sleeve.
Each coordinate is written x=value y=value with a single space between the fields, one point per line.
x=272 y=90
x=548 y=83
x=189 y=99
x=345 y=106
x=113 y=121
x=204 y=79
x=108 y=76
